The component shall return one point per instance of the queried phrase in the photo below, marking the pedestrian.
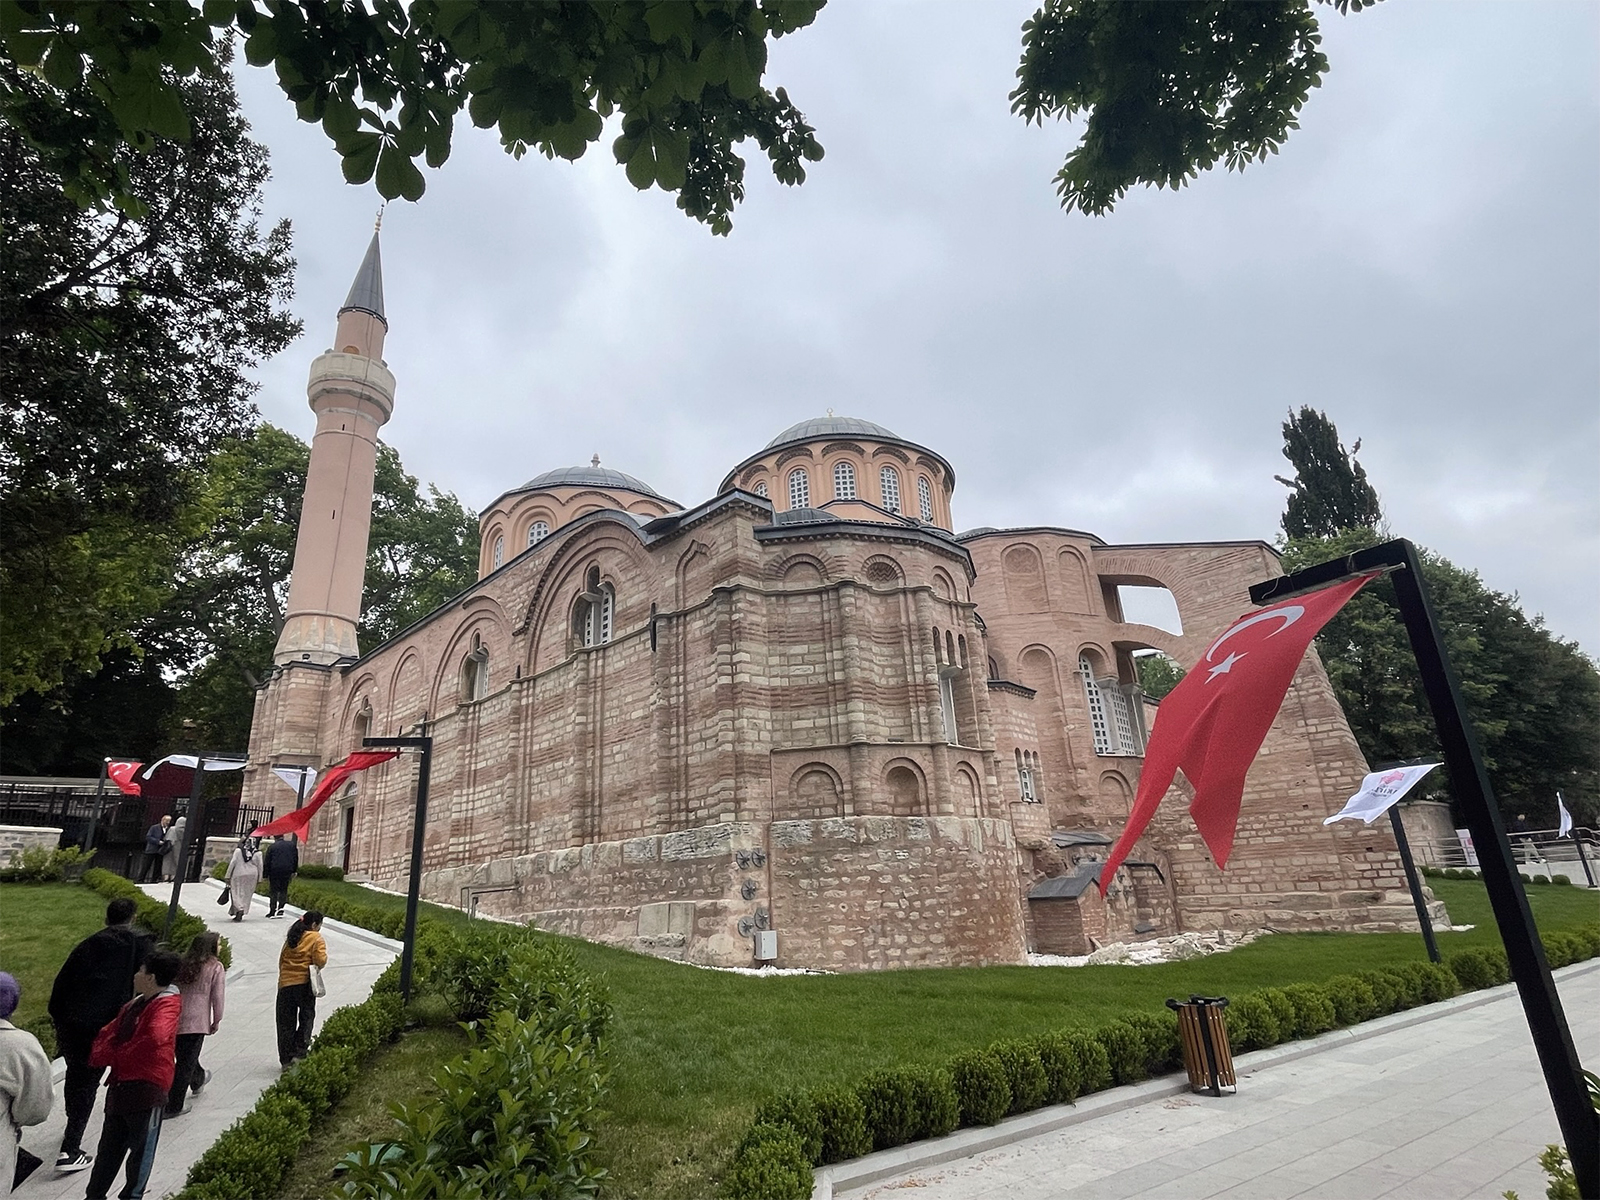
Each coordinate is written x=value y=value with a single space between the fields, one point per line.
x=25 y=1093
x=139 y=1045
x=304 y=954
x=202 y=983
x=94 y=982
x=169 y=860
x=282 y=861
x=244 y=872
x=155 y=849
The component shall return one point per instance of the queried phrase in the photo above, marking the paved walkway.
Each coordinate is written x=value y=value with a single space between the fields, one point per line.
x=1452 y=1106
x=242 y=1055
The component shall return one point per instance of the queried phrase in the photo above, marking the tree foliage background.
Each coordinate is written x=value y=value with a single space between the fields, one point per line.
x=1534 y=697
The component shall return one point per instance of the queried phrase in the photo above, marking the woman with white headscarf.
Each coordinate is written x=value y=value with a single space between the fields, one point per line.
x=25 y=1093
x=244 y=872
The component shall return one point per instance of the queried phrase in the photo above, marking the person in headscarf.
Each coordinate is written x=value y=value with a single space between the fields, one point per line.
x=244 y=872
x=25 y=1092
x=169 y=860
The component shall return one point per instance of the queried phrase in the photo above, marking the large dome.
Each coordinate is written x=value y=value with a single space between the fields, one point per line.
x=821 y=427
x=602 y=477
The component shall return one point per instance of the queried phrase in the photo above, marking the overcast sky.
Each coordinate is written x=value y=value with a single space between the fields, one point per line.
x=1422 y=262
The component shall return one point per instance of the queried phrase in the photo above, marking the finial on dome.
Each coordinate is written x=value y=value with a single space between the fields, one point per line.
x=378 y=224
x=595 y=461
x=830 y=412
x=366 y=293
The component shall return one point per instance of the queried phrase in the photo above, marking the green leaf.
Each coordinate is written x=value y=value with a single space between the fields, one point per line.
x=261 y=47
x=438 y=143
x=63 y=66
x=641 y=165
x=671 y=20
x=362 y=158
x=398 y=176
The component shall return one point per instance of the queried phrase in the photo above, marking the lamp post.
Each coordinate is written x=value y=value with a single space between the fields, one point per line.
x=1469 y=779
x=419 y=827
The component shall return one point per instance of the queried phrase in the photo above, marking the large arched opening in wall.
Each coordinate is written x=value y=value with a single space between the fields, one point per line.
x=1144 y=601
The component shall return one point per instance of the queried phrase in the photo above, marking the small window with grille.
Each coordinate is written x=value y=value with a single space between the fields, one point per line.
x=499 y=552
x=799 y=488
x=844 y=481
x=537 y=532
x=889 y=485
x=925 y=497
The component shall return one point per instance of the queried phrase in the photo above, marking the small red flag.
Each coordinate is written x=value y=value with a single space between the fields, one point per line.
x=332 y=779
x=121 y=774
x=1212 y=724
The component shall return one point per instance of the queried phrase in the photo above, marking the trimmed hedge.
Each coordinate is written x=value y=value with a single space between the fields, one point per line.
x=895 y=1105
x=771 y=1163
x=150 y=914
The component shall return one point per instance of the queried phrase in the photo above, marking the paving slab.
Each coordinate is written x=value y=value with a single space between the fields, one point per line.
x=242 y=1055
x=1447 y=1101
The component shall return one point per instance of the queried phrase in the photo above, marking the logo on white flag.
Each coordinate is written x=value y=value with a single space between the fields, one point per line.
x=1378 y=793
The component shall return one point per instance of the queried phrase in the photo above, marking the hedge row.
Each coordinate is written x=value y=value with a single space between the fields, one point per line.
x=513 y=1117
x=253 y=1156
x=793 y=1133
x=1468 y=873
x=150 y=914
x=331 y=903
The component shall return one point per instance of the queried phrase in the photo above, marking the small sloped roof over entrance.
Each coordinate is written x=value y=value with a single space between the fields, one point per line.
x=1069 y=886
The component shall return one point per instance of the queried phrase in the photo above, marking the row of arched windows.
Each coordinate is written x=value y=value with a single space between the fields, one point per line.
x=845 y=488
x=1029 y=776
x=537 y=532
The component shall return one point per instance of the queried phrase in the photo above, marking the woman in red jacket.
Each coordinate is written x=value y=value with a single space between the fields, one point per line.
x=139 y=1045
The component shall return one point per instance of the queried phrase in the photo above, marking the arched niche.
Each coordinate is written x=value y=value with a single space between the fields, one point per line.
x=815 y=793
x=904 y=789
x=1023 y=571
x=1077 y=595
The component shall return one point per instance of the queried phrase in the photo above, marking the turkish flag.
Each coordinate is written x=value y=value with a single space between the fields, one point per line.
x=121 y=774
x=1212 y=724
x=332 y=779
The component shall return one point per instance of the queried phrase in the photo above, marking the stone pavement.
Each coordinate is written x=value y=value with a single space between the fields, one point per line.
x=1452 y=1106
x=242 y=1055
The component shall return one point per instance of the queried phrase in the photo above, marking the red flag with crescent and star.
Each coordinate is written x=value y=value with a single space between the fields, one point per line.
x=121 y=774
x=332 y=779
x=1212 y=724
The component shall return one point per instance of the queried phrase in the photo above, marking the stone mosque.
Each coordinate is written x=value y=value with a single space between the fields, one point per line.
x=804 y=706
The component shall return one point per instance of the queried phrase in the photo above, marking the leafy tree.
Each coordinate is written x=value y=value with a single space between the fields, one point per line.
x=1158 y=674
x=1170 y=89
x=1534 y=698
x=125 y=346
x=200 y=658
x=1329 y=493
x=387 y=80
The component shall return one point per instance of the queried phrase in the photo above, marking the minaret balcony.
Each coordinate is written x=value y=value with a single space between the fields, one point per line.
x=355 y=378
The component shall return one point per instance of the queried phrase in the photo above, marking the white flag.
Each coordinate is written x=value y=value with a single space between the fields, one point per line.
x=189 y=760
x=1378 y=792
x=1566 y=818
x=291 y=776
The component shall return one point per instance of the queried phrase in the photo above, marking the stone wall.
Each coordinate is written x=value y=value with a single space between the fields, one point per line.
x=14 y=839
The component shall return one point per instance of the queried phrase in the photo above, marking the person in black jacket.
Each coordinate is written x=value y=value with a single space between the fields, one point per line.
x=91 y=987
x=282 y=861
x=156 y=845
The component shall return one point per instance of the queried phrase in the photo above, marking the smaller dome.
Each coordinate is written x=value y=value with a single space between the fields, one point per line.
x=821 y=427
x=591 y=476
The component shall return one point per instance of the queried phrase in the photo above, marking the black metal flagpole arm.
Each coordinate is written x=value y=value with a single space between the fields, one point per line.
x=189 y=827
x=1469 y=780
x=1415 y=884
x=419 y=827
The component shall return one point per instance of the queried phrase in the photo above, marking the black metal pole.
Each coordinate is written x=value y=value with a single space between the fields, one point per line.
x=1583 y=858
x=99 y=800
x=419 y=828
x=1547 y=1022
x=188 y=840
x=1414 y=884
x=300 y=792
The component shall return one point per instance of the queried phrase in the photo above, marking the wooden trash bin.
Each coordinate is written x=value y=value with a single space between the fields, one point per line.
x=1203 y=1032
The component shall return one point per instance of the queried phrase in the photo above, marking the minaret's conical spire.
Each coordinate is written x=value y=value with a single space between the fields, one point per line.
x=366 y=293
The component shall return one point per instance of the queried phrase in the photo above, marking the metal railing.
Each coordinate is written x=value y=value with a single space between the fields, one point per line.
x=1537 y=852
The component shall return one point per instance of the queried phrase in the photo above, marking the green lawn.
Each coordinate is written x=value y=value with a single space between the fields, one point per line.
x=40 y=923
x=693 y=1051
x=401 y=1072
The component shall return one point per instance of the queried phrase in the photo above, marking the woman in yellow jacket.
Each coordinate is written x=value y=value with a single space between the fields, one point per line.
x=303 y=949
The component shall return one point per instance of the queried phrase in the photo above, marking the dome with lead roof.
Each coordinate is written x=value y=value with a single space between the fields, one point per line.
x=590 y=476
x=830 y=426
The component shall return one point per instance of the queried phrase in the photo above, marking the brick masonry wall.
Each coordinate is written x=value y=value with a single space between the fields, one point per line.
x=14 y=839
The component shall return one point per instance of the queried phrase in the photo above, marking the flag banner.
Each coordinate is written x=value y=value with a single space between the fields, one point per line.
x=1379 y=792
x=191 y=760
x=1565 y=828
x=1468 y=850
x=1212 y=724
x=331 y=781
x=292 y=776
x=121 y=774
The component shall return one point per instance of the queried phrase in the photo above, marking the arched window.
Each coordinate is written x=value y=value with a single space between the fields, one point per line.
x=475 y=672
x=925 y=497
x=889 y=483
x=593 y=616
x=537 y=532
x=1025 y=777
x=499 y=551
x=1117 y=730
x=844 y=481
x=1097 y=707
x=799 y=488
x=761 y=488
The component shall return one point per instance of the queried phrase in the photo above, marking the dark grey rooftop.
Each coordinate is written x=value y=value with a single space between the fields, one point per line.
x=820 y=427
x=366 y=293
x=591 y=476
x=1069 y=886
x=1079 y=837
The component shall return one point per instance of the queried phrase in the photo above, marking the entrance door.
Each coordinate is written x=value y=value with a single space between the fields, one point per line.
x=347 y=829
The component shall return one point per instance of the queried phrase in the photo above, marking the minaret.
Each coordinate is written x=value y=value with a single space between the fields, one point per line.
x=352 y=393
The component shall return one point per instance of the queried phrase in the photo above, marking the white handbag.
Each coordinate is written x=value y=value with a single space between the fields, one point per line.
x=318 y=988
